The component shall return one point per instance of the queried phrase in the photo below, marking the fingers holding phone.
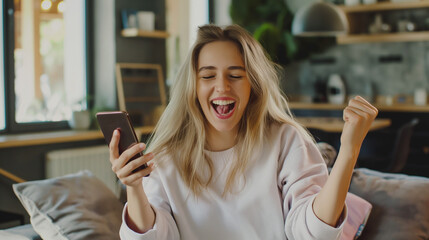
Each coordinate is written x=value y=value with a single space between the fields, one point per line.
x=113 y=146
x=125 y=150
x=129 y=172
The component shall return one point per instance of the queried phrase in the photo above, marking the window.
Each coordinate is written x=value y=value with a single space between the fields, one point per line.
x=46 y=78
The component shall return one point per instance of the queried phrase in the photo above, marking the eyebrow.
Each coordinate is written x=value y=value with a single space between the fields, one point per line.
x=229 y=68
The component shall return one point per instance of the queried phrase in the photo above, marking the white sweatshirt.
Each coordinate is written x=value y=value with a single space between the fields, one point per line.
x=274 y=201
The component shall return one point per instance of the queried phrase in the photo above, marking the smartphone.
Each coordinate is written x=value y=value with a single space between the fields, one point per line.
x=109 y=121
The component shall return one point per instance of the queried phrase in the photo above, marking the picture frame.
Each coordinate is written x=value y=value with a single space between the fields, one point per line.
x=141 y=91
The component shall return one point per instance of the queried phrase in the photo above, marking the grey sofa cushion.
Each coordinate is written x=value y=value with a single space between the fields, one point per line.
x=400 y=204
x=24 y=232
x=75 y=206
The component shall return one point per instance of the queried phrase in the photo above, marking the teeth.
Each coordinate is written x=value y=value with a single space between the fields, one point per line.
x=223 y=102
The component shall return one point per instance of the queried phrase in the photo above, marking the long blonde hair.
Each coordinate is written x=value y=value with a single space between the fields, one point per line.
x=180 y=132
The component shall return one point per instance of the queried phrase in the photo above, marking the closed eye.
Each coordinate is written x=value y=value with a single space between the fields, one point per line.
x=207 y=77
x=236 y=76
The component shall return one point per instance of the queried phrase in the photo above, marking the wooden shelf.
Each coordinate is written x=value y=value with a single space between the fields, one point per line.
x=384 y=6
x=385 y=37
x=359 y=21
x=336 y=124
x=134 y=32
x=28 y=139
x=381 y=107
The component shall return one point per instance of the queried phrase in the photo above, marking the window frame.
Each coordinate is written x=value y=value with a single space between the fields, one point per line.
x=211 y=11
x=9 y=72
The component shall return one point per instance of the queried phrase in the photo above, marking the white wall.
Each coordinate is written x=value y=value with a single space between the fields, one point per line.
x=74 y=52
x=183 y=19
x=221 y=8
x=104 y=53
x=198 y=15
x=177 y=14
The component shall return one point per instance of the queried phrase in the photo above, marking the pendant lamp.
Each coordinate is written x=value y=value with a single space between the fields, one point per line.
x=319 y=19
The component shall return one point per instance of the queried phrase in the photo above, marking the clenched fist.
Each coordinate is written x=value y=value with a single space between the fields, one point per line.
x=358 y=117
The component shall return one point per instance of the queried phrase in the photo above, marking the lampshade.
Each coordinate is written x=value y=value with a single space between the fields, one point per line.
x=319 y=19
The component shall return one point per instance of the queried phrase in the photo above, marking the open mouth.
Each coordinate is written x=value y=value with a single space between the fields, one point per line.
x=223 y=107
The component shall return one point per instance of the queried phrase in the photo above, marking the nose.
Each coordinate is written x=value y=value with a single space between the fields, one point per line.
x=222 y=84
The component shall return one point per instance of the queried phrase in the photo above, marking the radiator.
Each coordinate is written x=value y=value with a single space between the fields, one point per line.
x=94 y=159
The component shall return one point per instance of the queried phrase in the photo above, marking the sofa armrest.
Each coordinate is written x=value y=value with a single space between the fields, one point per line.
x=399 y=204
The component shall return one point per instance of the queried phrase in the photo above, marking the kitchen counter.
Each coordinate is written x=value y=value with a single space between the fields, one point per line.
x=398 y=107
x=30 y=139
x=336 y=124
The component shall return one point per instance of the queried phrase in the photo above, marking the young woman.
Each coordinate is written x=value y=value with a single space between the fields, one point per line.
x=231 y=162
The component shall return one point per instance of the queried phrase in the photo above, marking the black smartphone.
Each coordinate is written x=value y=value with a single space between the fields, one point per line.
x=109 y=121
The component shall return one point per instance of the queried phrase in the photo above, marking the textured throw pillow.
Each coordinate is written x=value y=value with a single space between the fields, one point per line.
x=400 y=204
x=75 y=206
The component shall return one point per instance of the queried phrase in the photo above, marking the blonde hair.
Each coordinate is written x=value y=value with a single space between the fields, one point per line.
x=180 y=132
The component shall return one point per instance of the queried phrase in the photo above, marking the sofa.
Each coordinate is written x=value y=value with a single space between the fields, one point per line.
x=79 y=206
x=74 y=206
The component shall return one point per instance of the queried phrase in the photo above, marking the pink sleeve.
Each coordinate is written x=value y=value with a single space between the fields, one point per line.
x=165 y=227
x=302 y=173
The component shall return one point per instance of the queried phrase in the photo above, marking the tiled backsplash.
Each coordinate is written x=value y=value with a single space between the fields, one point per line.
x=378 y=68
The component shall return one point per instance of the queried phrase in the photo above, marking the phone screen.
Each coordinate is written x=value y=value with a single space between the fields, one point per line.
x=109 y=121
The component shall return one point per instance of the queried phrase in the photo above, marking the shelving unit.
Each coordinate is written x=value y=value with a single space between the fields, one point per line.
x=141 y=60
x=384 y=6
x=339 y=107
x=358 y=16
x=385 y=37
x=134 y=32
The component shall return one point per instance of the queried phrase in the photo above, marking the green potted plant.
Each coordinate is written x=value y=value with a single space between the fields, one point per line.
x=270 y=22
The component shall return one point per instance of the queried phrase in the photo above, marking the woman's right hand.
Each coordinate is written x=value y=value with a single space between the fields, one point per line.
x=121 y=165
x=139 y=216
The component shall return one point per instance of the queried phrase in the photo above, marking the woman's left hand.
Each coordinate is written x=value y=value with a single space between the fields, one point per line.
x=329 y=202
x=358 y=117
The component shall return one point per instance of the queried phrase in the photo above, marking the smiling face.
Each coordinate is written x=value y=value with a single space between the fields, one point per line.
x=223 y=89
